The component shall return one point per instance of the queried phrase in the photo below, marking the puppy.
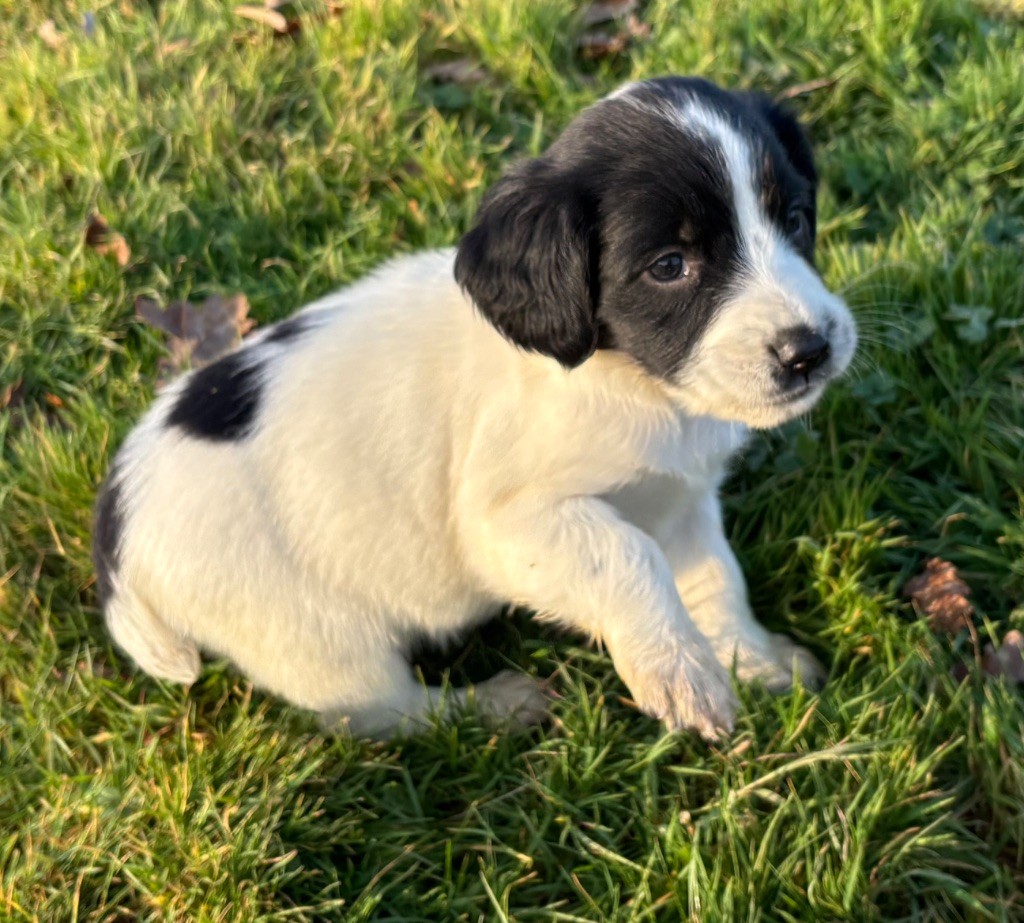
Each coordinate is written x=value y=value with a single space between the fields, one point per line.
x=542 y=416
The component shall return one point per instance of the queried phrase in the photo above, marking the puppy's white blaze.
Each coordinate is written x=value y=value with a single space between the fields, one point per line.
x=758 y=240
x=773 y=269
x=729 y=375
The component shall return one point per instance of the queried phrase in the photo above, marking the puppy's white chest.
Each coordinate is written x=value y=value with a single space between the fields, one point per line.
x=698 y=451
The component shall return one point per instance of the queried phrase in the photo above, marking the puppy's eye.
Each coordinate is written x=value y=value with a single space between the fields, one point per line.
x=798 y=226
x=668 y=268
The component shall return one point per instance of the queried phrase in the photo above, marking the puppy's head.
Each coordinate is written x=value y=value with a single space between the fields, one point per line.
x=673 y=221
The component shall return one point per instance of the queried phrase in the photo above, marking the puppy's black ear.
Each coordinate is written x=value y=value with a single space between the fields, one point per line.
x=791 y=135
x=527 y=262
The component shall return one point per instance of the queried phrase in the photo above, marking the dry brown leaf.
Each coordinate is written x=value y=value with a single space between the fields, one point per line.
x=49 y=35
x=1006 y=660
x=810 y=86
x=198 y=334
x=106 y=242
x=281 y=24
x=464 y=72
x=606 y=10
x=595 y=45
x=940 y=596
x=173 y=47
x=12 y=394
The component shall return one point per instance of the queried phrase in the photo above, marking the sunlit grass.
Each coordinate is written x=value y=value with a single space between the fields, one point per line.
x=235 y=161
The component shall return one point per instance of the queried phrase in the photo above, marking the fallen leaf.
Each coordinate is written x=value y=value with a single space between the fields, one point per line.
x=106 y=242
x=179 y=44
x=198 y=334
x=1006 y=660
x=464 y=72
x=810 y=86
x=277 y=21
x=49 y=35
x=606 y=10
x=597 y=44
x=940 y=596
x=12 y=394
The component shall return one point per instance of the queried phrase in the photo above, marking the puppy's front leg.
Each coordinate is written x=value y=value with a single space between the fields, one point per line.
x=712 y=586
x=576 y=560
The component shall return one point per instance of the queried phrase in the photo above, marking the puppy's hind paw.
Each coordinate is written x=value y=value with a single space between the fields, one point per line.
x=512 y=699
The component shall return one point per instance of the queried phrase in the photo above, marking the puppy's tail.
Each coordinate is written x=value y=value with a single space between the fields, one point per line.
x=150 y=641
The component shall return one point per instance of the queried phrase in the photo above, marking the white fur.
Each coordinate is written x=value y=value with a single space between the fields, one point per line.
x=410 y=471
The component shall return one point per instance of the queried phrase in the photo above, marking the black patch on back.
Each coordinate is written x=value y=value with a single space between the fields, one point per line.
x=220 y=401
x=106 y=534
x=290 y=329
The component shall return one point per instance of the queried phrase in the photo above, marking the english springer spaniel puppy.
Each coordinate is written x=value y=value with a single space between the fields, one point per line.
x=541 y=416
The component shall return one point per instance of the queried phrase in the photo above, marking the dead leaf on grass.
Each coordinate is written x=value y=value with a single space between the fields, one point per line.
x=49 y=35
x=609 y=26
x=106 y=242
x=197 y=334
x=12 y=395
x=270 y=15
x=464 y=72
x=1006 y=660
x=810 y=86
x=940 y=596
x=173 y=47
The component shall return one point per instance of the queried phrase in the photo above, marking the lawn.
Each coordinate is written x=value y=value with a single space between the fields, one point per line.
x=232 y=159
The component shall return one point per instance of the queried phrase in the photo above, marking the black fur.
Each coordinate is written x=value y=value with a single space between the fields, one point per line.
x=106 y=534
x=287 y=330
x=558 y=257
x=527 y=262
x=790 y=135
x=660 y=192
x=220 y=401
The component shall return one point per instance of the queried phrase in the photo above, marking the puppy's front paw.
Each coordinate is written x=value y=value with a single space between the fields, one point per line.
x=778 y=665
x=685 y=687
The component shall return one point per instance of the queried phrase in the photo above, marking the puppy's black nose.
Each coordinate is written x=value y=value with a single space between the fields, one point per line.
x=799 y=351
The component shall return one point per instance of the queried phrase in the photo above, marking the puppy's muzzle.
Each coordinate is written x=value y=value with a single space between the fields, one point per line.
x=798 y=353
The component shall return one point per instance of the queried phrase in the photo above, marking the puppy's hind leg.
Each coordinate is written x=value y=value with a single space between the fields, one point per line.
x=149 y=640
x=393 y=703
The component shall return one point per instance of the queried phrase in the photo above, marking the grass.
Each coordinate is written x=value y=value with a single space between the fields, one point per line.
x=235 y=161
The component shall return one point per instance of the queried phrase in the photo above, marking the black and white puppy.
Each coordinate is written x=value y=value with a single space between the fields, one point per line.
x=541 y=417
